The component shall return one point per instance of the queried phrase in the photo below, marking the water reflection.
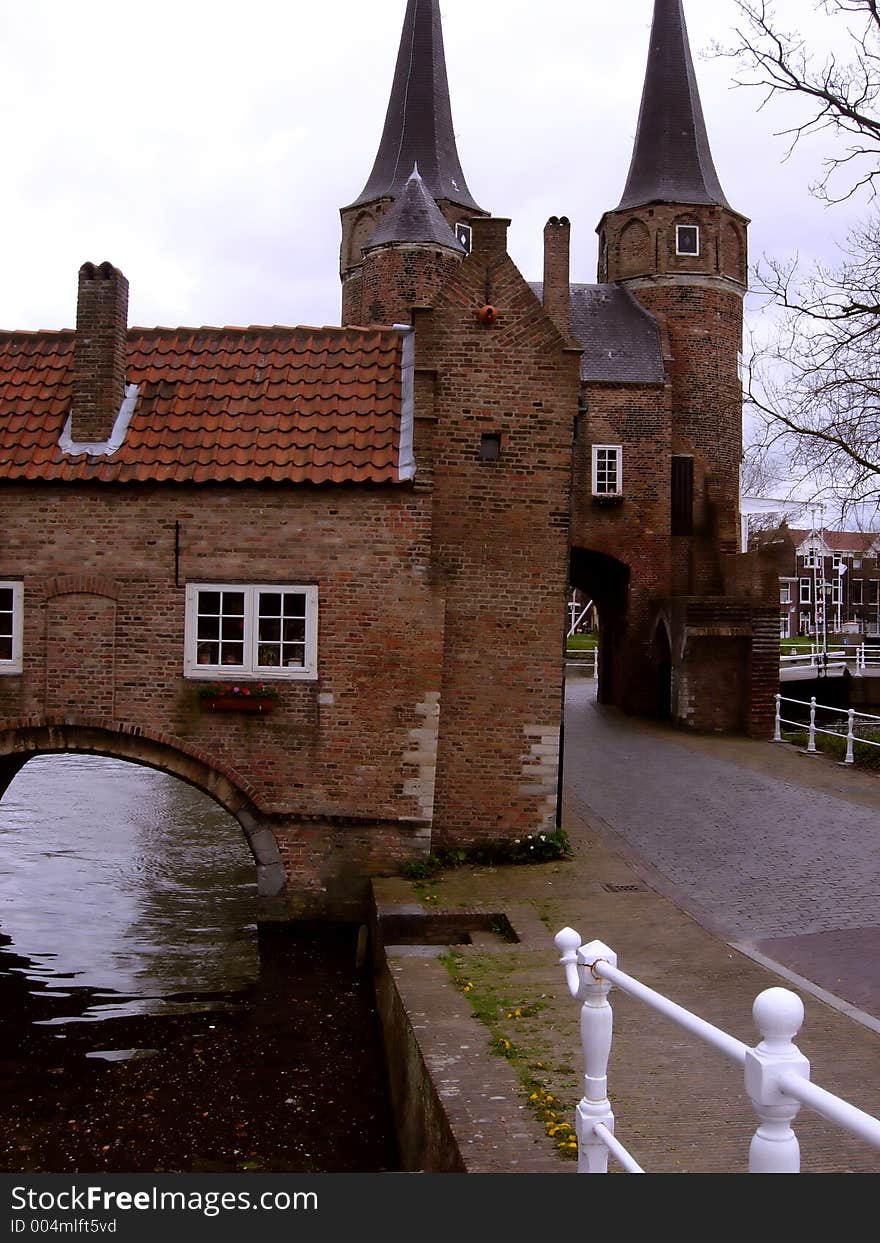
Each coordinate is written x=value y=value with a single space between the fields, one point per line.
x=125 y=881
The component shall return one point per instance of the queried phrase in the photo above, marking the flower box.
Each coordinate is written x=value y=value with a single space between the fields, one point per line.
x=238 y=703
x=237 y=697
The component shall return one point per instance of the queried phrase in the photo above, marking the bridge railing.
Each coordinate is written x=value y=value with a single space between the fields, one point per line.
x=777 y=1075
x=850 y=733
x=867 y=657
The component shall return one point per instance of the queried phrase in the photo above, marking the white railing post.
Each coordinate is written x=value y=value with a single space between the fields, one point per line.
x=778 y=1014
x=850 y=736
x=597 y=1021
x=811 y=745
x=777 y=735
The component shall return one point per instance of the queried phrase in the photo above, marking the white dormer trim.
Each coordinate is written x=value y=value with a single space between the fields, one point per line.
x=104 y=448
x=406 y=462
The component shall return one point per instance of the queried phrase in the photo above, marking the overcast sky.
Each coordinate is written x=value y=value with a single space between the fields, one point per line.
x=205 y=148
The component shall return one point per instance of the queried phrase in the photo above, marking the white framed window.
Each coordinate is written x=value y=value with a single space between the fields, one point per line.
x=785 y=593
x=836 y=593
x=262 y=631
x=806 y=625
x=836 y=562
x=858 y=591
x=607 y=470
x=784 y=626
x=874 y=591
x=806 y=591
x=811 y=559
x=11 y=615
x=687 y=239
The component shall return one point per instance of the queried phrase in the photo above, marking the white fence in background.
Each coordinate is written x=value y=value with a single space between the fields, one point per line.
x=777 y=1075
x=850 y=734
x=862 y=657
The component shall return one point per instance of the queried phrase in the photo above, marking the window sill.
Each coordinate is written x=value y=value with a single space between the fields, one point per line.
x=607 y=500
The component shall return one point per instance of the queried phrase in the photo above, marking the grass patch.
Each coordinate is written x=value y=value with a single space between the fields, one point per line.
x=581 y=643
x=513 y=1037
x=866 y=757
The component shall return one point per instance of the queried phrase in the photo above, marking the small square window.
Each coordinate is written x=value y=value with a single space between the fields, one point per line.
x=607 y=470
x=490 y=447
x=10 y=627
x=687 y=239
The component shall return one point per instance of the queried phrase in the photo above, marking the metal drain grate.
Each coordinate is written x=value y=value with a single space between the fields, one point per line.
x=623 y=888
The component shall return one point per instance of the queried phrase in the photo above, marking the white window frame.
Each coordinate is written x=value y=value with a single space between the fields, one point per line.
x=784 y=626
x=785 y=593
x=811 y=559
x=617 y=451
x=14 y=665
x=250 y=669
x=690 y=254
x=857 y=591
x=806 y=594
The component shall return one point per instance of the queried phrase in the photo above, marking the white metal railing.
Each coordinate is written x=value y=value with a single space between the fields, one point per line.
x=777 y=1075
x=588 y=656
x=865 y=656
x=813 y=729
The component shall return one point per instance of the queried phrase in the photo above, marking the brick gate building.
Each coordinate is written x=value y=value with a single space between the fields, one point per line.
x=378 y=522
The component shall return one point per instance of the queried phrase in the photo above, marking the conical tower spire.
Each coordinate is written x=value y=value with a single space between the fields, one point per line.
x=418 y=125
x=672 y=161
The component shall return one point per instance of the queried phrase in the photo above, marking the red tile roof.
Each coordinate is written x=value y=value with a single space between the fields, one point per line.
x=838 y=541
x=292 y=405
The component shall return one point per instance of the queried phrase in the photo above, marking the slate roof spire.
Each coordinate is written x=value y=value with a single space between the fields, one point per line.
x=414 y=217
x=672 y=161
x=418 y=124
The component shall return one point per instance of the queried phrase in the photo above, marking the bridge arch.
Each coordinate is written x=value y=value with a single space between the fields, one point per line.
x=138 y=745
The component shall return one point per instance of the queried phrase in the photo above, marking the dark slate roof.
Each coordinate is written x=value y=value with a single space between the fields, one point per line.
x=620 y=339
x=672 y=161
x=414 y=217
x=418 y=125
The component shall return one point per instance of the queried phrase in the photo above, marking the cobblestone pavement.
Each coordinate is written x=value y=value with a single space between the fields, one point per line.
x=768 y=848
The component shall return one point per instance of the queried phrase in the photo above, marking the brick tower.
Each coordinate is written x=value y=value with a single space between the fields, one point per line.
x=679 y=247
x=418 y=135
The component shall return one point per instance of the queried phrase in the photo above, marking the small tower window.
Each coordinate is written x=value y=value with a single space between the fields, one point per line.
x=607 y=470
x=490 y=447
x=687 y=239
x=465 y=236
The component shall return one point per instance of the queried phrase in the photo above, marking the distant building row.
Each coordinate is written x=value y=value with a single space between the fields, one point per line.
x=826 y=578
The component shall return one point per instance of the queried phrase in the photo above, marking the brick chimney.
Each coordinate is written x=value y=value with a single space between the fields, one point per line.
x=557 y=265
x=99 y=352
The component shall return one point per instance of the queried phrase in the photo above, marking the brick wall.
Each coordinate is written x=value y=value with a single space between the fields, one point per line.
x=500 y=537
x=107 y=645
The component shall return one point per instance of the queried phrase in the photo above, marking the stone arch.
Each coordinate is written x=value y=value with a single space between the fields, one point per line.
x=363 y=226
x=634 y=250
x=23 y=741
x=663 y=665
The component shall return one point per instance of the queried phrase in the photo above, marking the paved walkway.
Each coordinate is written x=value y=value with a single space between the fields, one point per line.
x=668 y=830
x=775 y=851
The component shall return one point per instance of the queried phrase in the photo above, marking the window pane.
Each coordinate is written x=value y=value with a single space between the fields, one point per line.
x=209 y=602
x=208 y=654
x=294 y=656
x=269 y=655
x=232 y=654
x=294 y=630
x=209 y=628
x=5 y=599
x=233 y=628
x=270 y=629
x=5 y=623
x=294 y=604
x=270 y=604
x=233 y=603
x=6 y=647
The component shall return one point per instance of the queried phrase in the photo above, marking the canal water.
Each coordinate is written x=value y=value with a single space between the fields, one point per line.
x=146 y=1022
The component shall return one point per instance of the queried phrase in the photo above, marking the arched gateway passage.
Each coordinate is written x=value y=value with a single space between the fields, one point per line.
x=196 y=768
x=605 y=580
